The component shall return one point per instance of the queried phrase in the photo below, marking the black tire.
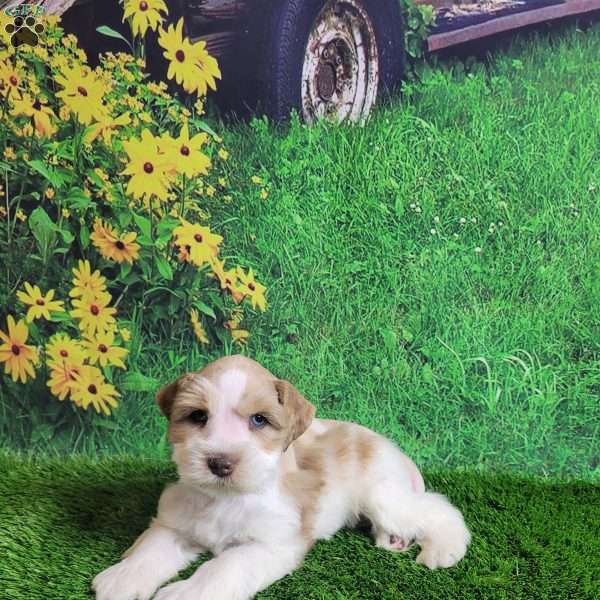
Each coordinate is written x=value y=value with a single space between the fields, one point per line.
x=287 y=34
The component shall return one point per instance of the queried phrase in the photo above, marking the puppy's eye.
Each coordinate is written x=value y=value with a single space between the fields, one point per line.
x=199 y=416
x=258 y=421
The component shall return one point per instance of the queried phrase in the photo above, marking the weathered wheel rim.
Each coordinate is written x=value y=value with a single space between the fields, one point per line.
x=340 y=74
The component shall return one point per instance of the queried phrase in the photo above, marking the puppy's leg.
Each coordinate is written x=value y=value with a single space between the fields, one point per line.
x=157 y=555
x=238 y=573
x=400 y=516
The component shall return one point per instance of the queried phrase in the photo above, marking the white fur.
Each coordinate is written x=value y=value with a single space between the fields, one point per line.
x=253 y=527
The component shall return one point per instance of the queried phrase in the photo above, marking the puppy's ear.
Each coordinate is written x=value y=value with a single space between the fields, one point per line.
x=299 y=410
x=165 y=398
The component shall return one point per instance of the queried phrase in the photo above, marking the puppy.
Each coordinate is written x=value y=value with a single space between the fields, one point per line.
x=260 y=481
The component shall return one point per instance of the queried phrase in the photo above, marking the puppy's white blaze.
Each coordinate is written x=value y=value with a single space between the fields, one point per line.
x=227 y=427
x=232 y=385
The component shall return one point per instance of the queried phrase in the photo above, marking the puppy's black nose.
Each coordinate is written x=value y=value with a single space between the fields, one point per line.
x=221 y=466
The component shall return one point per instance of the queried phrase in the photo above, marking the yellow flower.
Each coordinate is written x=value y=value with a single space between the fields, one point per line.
x=10 y=81
x=9 y=153
x=256 y=179
x=148 y=167
x=65 y=212
x=197 y=326
x=83 y=93
x=227 y=279
x=38 y=111
x=62 y=378
x=86 y=283
x=199 y=243
x=223 y=153
x=40 y=305
x=49 y=193
x=17 y=356
x=61 y=349
x=189 y=64
x=264 y=194
x=94 y=314
x=90 y=388
x=101 y=349
x=240 y=336
x=21 y=216
x=251 y=288
x=210 y=191
x=146 y=15
x=125 y=334
x=187 y=154
x=120 y=248
x=106 y=127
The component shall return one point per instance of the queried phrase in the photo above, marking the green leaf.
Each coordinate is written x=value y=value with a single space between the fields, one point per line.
x=204 y=127
x=103 y=422
x=77 y=199
x=124 y=219
x=84 y=236
x=67 y=236
x=164 y=268
x=204 y=308
x=136 y=382
x=125 y=269
x=42 y=227
x=109 y=32
x=144 y=225
x=166 y=226
x=144 y=240
x=51 y=175
x=60 y=317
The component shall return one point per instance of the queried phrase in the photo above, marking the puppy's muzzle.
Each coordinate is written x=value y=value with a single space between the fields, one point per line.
x=221 y=465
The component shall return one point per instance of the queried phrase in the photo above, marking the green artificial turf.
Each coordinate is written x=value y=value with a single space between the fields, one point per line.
x=62 y=521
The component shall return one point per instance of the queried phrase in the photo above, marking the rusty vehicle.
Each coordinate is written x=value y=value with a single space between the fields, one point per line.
x=323 y=58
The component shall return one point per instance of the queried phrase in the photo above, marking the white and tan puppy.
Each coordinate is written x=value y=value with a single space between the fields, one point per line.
x=261 y=481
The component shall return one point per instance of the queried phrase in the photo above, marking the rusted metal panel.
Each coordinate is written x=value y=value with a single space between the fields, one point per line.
x=508 y=22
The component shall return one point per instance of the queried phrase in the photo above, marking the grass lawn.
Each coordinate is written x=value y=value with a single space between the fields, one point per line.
x=434 y=275
x=63 y=521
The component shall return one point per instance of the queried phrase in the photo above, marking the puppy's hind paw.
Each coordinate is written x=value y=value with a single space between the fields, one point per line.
x=393 y=542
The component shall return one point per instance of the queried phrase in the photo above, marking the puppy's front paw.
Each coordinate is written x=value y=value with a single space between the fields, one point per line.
x=124 y=581
x=442 y=553
x=180 y=590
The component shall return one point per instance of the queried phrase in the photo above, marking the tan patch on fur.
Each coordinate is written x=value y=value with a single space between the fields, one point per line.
x=306 y=485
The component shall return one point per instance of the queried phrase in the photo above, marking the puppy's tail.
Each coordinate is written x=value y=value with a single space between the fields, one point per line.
x=441 y=531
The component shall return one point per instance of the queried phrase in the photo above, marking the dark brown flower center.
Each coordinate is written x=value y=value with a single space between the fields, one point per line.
x=132 y=90
x=64 y=353
x=143 y=6
x=37 y=105
x=251 y=286
x=94 y=310
x=103 y=348
x=82 y=91
x=188 y=248
x=13 y=80
x=120 y=245
x=180 y=55
x=148 y=167
x=92 y=389
x=198 y=238
x=40 y=302
x=184 y=150
x=15 y=350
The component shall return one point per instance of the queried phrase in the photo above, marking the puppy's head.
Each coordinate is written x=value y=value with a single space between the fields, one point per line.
x=230 y=423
